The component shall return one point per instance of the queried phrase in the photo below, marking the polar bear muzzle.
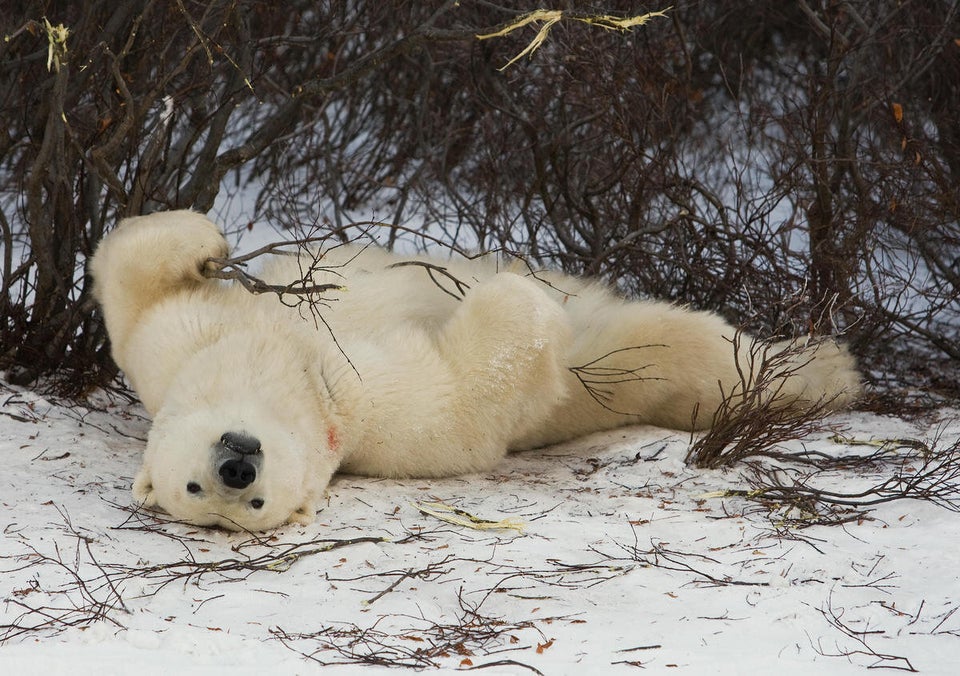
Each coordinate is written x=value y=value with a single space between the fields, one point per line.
x=238 y=458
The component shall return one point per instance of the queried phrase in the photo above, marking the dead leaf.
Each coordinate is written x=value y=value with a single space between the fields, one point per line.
x=897 y=112
x=544 y=646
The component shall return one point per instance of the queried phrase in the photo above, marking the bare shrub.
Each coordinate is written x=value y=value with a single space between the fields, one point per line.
x=114 y=111
x=796 y=164
x=754 y=417
x=913 y=470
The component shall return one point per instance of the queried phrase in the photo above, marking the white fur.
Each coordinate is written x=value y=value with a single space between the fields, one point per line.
x=400 y=378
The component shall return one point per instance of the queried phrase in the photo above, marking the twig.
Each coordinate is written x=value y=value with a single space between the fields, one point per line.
x=923 y=473
x=433 y=270
x=883 y=660
x=597 y=379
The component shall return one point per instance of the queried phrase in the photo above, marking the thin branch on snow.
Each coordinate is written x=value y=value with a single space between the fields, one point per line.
x=798 y=495
x=419 y=647
x=881 y=660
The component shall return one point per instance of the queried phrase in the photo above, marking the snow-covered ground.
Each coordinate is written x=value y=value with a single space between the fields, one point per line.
x=612 y=557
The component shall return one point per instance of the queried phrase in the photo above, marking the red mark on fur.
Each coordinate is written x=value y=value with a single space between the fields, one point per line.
x=333 y=441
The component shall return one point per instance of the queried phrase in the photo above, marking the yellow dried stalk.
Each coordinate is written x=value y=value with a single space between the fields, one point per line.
x=731 y=493
x=550 y=17
x=460 y=517
x=57 y=44
x=615 y=23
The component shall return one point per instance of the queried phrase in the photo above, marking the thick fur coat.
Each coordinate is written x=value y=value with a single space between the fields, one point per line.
x=256 y=403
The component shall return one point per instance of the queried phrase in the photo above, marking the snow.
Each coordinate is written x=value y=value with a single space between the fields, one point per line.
x=626 y=560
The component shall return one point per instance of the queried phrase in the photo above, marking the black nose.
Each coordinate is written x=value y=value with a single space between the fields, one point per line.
x=240 y=443
x=238 y=473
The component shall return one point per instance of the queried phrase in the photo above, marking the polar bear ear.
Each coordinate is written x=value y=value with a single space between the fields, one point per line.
x=143 y=489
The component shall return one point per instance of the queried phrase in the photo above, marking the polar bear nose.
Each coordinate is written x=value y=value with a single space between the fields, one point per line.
x=240 y=443
x=237 y=473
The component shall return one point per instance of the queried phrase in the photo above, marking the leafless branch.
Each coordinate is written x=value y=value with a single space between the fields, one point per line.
x=471 y=634
x=598 y=379
x=860 y=638
x=753 y=417
x=435 y=272
x=919 y=473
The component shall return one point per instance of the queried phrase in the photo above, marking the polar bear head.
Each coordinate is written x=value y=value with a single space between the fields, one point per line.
x=242 y=472
x=243 y=440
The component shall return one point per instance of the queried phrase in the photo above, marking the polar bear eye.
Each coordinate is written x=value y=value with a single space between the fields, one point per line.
x=193 y=487
x=256 y=503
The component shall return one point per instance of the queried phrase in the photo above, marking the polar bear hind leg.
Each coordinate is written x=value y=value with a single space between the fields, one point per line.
x=656 y=363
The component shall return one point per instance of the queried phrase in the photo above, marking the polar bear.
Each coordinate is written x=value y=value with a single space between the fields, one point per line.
x=415 y=367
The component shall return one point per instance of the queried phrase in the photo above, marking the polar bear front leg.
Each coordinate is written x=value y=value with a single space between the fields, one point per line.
x=148 y=258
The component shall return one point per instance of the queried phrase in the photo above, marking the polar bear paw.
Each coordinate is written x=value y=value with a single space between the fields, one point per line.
x=176 y=244
x=823 y=373
x=148 y=258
